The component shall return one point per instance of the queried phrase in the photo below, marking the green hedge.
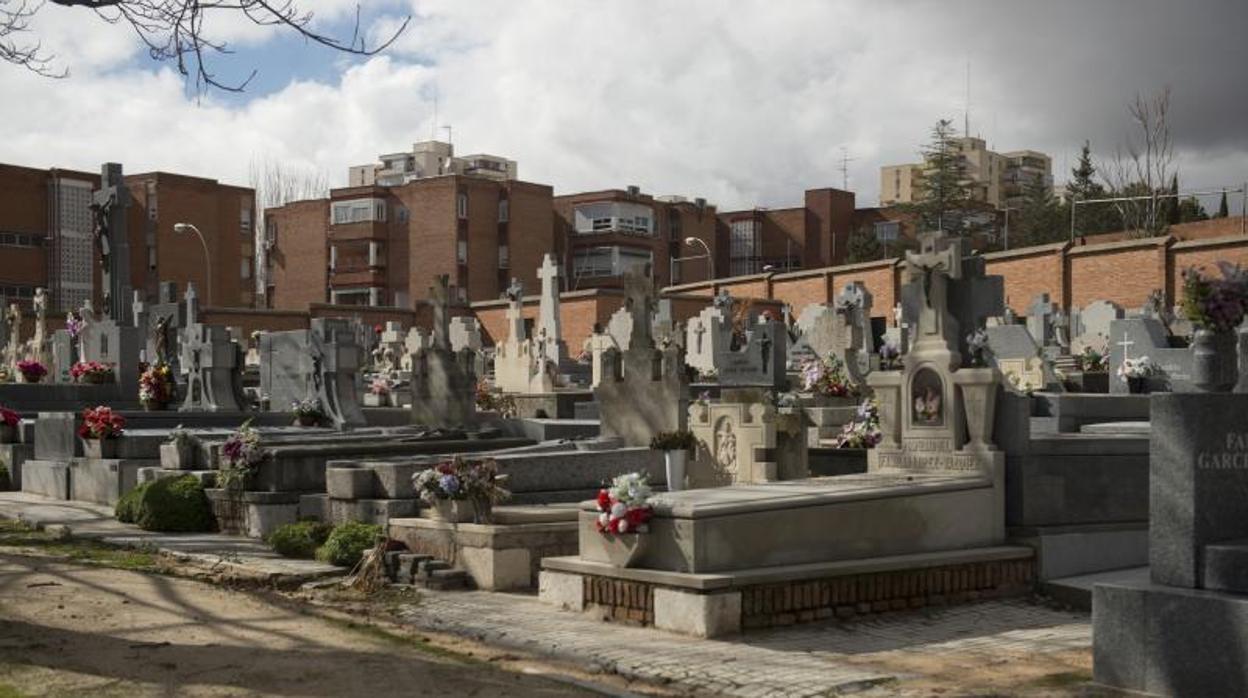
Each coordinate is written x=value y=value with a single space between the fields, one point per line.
x=300 y=539
x=347 y=543
x=171 y=505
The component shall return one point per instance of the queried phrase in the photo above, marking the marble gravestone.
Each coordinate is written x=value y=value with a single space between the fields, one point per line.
x=321 y=362
x=1092 y=326
x=210 y=363
x=109 y=343
x=1181 y=632
x=707 y=335
x=760 y=362
x=643 y=389
x=1040 y=318
x=443 y=382
x=521 y=364
x=1146 y=337
x=388 y=353
x=547 y=329
x=842 y=330
x=936 y=415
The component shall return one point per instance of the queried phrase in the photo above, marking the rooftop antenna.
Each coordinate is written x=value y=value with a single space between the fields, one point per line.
x=844 y=168
x=433 y=126
x=966 y=113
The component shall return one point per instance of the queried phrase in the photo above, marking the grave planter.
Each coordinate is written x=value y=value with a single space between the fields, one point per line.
x=674 y=462
x=1214 y=361
x=1096 y=382
x=307 y=420
x=624 y=549
x=8 y=434
x=31 y=377
x=153 y=406
x=229 y=509
x=99 y=448
x=454 y=511
x=98 y=378
x=1137 y=385
x=979 y=398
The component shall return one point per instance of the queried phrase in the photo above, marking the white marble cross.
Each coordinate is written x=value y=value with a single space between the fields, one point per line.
x=1126 y=343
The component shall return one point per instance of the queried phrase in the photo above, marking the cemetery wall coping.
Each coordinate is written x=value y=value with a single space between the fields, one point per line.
x=1233 y=240
x=1036 y=251
x=1108 y=247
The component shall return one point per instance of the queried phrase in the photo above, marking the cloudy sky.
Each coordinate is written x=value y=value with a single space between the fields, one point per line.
x=744 y=102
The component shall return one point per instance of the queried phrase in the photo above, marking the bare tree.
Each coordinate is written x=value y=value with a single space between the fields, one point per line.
x=1143 y=167
x=277 y=184
x=174 y=30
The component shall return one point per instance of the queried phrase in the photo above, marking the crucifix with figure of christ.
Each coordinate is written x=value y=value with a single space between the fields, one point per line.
x=939 y=258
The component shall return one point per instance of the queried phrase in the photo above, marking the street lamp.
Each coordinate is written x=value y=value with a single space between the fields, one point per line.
x=710 y=268
x=182 y=229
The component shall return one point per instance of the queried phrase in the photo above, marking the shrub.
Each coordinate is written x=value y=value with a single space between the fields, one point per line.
x=347 y=543
x=171 y=504
x=300 y=539
x=127 y=510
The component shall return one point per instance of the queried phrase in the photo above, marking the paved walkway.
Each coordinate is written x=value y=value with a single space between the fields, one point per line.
x=806 y=660
x=212 y=551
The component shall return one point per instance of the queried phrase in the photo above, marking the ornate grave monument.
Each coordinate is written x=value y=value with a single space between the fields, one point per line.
x=643 y=390
x=443 y=383
x=211 y=362
x=320 y=362
x=109 y=204
x=522 y=364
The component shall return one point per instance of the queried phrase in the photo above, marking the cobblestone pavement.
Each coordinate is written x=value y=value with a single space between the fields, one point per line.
x=816 y=659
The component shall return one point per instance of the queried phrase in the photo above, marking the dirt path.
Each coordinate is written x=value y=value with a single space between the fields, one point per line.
x=74 y=628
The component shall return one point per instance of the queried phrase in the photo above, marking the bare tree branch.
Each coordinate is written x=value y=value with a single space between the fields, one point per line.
x=1144 y=166
x=174 y=30
x=14 y=23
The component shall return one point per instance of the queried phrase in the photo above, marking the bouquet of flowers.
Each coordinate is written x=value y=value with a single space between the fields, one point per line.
x=241 y=454
x=977 y=346
x=1142 y=367
x=91 y=372
x=380 y=386
x=703 y=398
x=863 y=431
x=8 y=417
x=32 y=371
x=462 y=479
x=308 y=409
x=826 y=377
x=74 y=325
x=624 y=507
x=890 y=357
x=156 y=384
x=101 y=423
x=1216 y=305
x=491 y=401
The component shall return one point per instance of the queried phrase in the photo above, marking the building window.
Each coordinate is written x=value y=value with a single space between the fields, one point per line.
x=614 y=216
x=504 y=210
x=743 y=247
x=244 y=221
x=357 y=211
x=244 y=271
x=611 y=261
x=461 y=252
x=504 y=257
x=21 y=240
x=402 y=214
x=887 y=231
x=461 y=206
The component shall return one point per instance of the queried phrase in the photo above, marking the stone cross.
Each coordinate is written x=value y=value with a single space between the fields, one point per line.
x=13 y=351
x=440 y=297
x=939 y=258
x=1040 y=319
x=39 y=341
x=141 y=321
x=515 y=313
x=109 y=204
x=639 y=299
x=548 y=308
x=1126 y=345
x=192 y=304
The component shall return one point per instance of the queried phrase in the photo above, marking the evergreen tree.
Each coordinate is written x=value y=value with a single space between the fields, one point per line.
x=1039 y=220
x=944 y=199
x=1223 y=209
x=863 y=246
x=1172 y=205
x=1189 y=210
x=1090 y=219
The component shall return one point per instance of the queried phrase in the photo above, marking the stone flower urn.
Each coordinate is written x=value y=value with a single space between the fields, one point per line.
x=1215 y=361
x=979 y=400
x=674 y=462
x=454 y=511
x=624 y=549
x=99 y=448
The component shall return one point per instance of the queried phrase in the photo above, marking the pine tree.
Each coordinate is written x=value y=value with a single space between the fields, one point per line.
x=1223 y=209
x=1191 y=210
x=1090 y=219
x=863 y=246
x=1173 y=207
x=944 y=197
x=1039 y=220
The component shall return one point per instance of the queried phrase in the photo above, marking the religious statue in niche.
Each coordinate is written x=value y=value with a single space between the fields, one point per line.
x=927 y=391
x=726 y=447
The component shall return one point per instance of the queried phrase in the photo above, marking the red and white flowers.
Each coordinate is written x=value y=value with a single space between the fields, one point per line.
x=625 y=506
x=101 y=423
x=91 y=372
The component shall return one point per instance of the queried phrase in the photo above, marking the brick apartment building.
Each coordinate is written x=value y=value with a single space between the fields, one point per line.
x=997 y=179
x=47 y=236
x=785 y=239
x=381 y=245
x=601 y=235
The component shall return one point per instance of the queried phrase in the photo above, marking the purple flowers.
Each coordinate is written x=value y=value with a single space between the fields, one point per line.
x=449 y=484
x=1216 y=305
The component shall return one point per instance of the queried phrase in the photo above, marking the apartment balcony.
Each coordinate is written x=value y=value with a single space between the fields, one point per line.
x=357 y=276
x=364 y=230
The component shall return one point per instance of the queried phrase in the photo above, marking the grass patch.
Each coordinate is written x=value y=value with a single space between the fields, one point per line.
x=7 y=691
x=400 y=640
x=15 y=534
